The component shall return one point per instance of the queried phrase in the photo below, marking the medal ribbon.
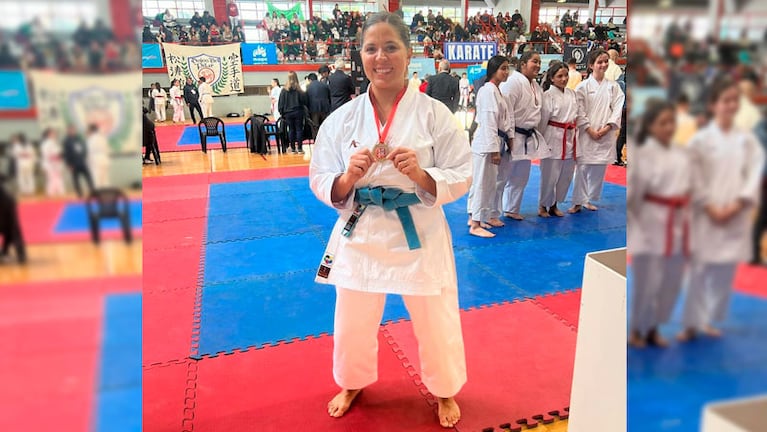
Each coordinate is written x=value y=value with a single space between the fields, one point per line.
x=383 y=134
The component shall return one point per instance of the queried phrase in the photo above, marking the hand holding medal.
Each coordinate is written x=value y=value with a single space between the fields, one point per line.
x=406 y=162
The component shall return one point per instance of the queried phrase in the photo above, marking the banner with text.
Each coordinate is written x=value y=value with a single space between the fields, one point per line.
x=13 y=90
x=469 y=52
x=221 y=65
x=151 y=56
x=259 y=53
x=579 y=53
x=297 y=9
x=82 y=100
x=424 y=66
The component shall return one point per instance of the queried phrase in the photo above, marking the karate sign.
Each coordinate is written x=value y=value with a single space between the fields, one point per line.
x=578 y=52
x=473 y=52
x=221 y=65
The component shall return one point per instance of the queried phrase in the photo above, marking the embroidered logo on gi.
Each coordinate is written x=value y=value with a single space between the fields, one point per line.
x=327 y=260
x=353 y=144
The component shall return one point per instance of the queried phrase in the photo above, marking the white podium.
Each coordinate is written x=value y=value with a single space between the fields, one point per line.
x=598 y=395
x=741 y=415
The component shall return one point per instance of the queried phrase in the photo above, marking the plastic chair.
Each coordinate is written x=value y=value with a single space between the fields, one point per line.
x=255 y=135
x=108 y=203
x=268 y=127
x=209 y=126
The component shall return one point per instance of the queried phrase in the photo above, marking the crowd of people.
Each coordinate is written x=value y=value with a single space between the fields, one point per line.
x=200 y=30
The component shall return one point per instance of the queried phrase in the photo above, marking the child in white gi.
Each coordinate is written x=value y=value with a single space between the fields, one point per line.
x=53 y=163
x=98 y=156
x=26 y=159
x=177 y=101
x=160 y=99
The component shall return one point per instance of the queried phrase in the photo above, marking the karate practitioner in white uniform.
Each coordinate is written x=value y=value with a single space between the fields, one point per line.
x=26 y=158
x=206 y=97
x=177 y=101
x=400 y=140
x=98 y=156
x=492 y=117
x=525 y=97
x=558 y=116
x=658 y=214
x=600 y=105
x=53 y=163
x=160 y=99
x=728 y=166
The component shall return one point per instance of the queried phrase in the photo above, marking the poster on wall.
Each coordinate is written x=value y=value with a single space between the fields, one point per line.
x=151 y=56
x=424 y=66
x=578 y=52
x=82 y=100
x=475 y=72
x=259 y=53
x=469 y=52
x=13 y=90
x=221 y=65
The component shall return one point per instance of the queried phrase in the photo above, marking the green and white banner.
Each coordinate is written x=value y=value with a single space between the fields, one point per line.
x=82 y=100
x=297 y=9
x=221 y=65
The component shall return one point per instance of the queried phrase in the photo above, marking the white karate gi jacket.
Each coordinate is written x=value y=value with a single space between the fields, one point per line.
x=598 y=105
x=664 y=172
x=728 y=166
x=525 y=99
x=492 y=115
x=559 y=106
x=376 y=257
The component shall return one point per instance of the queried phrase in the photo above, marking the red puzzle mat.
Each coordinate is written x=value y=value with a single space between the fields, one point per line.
x=168 y=136
x=39 y=218
x=751 y=280
x=564 y=305
x=513 y=374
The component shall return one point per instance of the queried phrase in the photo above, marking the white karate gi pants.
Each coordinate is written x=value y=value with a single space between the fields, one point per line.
x=100 y=172
x=482 y=195
x=708 y=296
x=657 y=280
x=207 y=108
x=588 y=183
x=25 y=178
x=178 y=112
x=54 y=181
x=437 y=328
x=159 y=110
x=515 y=176
x=556 y=176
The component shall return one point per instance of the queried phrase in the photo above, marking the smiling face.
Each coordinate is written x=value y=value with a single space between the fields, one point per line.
x=502 y=74
x=726 y=105
x=560 y=78
x=664 y=126
x=531 y=67
x=385 y=57
x=600 y=66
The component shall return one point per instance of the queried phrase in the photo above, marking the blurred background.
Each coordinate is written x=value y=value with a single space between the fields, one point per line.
x=680 y=379
x=70 y=215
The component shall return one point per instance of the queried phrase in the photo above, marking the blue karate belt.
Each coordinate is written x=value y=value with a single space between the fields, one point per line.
x=505 y=143
x=526 y=132
x=393 y=199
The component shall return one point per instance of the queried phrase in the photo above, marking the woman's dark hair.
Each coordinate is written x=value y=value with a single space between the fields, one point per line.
x=721 y=84
x=393 y=20
x=277 y=81
x=493 y=65
x=553 y=69
x=525 y=57
x=593 y=56
x=654 y=107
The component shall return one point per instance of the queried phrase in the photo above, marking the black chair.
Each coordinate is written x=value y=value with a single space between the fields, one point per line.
x=108 y=203
x=283 y=139
x=209 y=126
x=259 y=142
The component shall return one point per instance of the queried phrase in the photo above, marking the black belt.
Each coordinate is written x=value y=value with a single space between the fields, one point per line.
x=526 y=132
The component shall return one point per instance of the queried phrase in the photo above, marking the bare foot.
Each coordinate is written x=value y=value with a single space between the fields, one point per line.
x=712 y=332
x=449 y=413
x=341 y=402
x=574 y=209
x=591 y=207
x=686 y=335
x=484 y=225
x=542 y=212
x=495 y=222
x=554 y=211
x=636 y=340
x=515 y=216
x=480 y=231
x=655 y=339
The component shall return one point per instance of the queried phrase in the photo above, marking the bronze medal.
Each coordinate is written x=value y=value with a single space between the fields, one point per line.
x=380 y=151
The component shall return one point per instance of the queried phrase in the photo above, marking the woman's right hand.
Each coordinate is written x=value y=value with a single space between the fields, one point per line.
x=359 y=164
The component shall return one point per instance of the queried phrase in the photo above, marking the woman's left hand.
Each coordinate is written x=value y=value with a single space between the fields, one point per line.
x=406 y=162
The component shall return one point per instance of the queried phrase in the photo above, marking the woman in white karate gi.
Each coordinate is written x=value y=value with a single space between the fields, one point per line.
x=658 y=215
x=728 y=165
x=558 y=116
x=524 y=97
x=398 y=147
x=177 y=101
x=206 y=97
x=53 y=163
x=600 y=105
x=98 y=156
x=160 y=99
x=492 y=117
x=25 y=156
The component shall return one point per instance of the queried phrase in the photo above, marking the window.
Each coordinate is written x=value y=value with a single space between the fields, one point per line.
x=56 y=17
x=183 y=9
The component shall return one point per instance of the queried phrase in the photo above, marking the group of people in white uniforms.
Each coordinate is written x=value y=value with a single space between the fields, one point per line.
x=387 y=161
x=566 y=130
x=689 y=211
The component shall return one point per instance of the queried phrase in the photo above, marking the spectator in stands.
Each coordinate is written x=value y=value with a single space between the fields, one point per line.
x=517 y=20
x=215 y=34
x=292 y=106
x=204 y=35
x=318 y=94
x=195 y=22
x=82 y=35
x=76 y=158
x=336 y=12
x=417 y=20
x=613 y=70
x=324 y=72
x=341 y=86
x=444 y=87
x=238 y=35
x=147 y=36
x=234 y=13
x=207 y=19
x=7 y=60
x=573 y=76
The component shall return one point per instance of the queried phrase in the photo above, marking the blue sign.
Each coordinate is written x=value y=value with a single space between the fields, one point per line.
x=469 y=52
x=13 y=90
x=424 y=66
x=258 y=53
x=475 y=72
x=151 y=56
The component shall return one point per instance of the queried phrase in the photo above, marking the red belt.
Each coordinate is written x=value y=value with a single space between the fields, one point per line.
x=673 y=203
x=566 y=126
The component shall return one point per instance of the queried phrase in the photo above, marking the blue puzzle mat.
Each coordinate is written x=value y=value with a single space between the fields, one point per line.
x=74 y=218
x=191 y=135
x=667 y=389
x=265 y=239
x=118 y=398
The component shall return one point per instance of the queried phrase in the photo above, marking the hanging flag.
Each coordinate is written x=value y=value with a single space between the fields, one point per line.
x=221 y=65
x=297 y=9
